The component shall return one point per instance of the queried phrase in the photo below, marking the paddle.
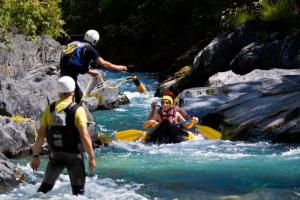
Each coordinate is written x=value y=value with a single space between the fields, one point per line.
x=133 y=135
x=130 y=135
x=208 y=132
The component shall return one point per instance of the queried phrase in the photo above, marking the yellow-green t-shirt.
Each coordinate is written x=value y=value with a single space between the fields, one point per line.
x=80 y=115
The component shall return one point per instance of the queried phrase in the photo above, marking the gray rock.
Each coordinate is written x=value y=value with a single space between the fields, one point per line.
x=229 y=77
x=24 y=55
x=262 y=105
x=283 y=53
x=12 y=139
x=253 y=45
x=10 y=176
x=28 y=96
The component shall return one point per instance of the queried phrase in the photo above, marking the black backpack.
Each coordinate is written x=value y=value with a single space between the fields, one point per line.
x=62 y=135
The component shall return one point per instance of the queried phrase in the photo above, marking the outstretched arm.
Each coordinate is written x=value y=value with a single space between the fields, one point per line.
x=110 y=66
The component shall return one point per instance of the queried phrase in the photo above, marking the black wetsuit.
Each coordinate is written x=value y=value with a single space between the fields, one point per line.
x=88 y=55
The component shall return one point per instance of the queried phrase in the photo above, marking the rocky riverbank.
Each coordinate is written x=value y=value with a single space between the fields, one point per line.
x=28 y=76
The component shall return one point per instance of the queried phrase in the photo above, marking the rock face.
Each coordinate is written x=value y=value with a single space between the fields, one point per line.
x=28 y=96
x=24 y=55
x=253 y=45
x=262 y=105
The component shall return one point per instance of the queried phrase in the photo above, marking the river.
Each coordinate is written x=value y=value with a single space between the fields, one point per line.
x=200 y=169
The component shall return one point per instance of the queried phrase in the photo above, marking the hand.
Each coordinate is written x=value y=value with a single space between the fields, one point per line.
x=94 y=73
x=35 y=163
x=122 y=68
x=152 y=123
x=92 y=164
x=153 y=105
x=195 y=120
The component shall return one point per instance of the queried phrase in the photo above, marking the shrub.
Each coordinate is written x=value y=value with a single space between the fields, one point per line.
x=267 y=10
x=237 y=15
x=32 y=17
x=275 y=10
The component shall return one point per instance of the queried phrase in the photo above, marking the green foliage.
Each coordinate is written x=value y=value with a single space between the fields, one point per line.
x=275 y=10
x=267 y=10
x=32 y=17
x=237 y=15
x=242 y=17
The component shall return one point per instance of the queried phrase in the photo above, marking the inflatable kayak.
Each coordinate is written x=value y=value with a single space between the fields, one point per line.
x=167 y=133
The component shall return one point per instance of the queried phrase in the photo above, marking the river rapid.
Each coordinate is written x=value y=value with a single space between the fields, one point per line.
x=200 y=169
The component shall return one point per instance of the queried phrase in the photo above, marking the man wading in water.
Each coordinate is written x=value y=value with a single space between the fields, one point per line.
x=64 y=125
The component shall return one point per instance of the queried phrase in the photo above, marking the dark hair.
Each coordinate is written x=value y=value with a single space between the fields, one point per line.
x=169 y=93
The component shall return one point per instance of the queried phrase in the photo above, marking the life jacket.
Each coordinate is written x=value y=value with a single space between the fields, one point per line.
x=62 y=135
x=170 y=115
x=75 y=52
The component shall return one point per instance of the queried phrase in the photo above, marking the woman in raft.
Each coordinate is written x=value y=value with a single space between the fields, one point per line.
x=166 y=121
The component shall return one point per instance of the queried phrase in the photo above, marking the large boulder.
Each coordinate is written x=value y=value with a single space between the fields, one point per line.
x=28 y=96
x=262 y=105
x=280 y=53
x=253 y=45
x=25 y=54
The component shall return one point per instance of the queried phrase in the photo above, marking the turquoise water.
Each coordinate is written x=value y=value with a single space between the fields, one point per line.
x=200 y=169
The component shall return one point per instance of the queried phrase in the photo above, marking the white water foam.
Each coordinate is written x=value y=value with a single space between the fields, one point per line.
x=292 y=152
x=200 y=150
x=96 y=188
x=120 y=110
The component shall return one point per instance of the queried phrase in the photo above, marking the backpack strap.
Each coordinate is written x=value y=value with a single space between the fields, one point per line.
x=71 y=111
x=52 y=106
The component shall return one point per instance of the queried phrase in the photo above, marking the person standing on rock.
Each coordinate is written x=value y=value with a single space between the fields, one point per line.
x=64 y=125
x=77 y=57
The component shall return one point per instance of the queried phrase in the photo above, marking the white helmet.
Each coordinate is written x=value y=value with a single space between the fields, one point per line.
x=66 y=84
x=92 y=36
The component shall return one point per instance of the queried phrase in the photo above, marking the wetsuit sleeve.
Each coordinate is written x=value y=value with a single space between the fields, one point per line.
x=80 y=118
x=92 y=54
x=46 y=118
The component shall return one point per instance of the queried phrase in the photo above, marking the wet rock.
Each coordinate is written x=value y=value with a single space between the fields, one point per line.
x=10 y=175
x=173 y=81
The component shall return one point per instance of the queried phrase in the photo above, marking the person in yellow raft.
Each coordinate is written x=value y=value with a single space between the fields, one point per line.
x=166 y=121
x=64 y=125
